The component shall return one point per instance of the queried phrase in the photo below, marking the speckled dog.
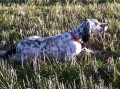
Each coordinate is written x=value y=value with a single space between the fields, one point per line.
x=62 y=47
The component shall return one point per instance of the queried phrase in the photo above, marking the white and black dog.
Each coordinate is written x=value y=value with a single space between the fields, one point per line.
x=63 y=47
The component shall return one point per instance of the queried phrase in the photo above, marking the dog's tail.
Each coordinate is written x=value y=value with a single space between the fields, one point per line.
x=6 y=54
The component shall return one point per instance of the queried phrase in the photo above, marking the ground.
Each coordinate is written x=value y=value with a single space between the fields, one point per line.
x=20 y=19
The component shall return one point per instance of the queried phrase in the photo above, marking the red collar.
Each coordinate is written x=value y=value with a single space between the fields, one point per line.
x=75 y=38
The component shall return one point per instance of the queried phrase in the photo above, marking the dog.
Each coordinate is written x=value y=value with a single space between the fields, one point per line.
x=63 y=47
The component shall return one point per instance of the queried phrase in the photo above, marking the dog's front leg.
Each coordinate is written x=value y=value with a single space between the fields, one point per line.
x=85 y=52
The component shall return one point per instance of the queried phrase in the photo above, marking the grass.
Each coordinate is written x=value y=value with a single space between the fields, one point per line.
x=46 y=18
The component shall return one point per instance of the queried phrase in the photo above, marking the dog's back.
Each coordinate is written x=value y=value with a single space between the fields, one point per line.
x=37 y=46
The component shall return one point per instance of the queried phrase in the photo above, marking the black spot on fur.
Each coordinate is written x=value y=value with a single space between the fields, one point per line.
x=44 y=47
x=38 y=42
x=66 y=36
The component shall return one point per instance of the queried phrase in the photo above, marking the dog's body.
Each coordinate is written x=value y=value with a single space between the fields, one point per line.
x=62 y=47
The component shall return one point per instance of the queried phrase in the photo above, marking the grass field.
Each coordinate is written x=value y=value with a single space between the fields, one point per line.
x=24 y=18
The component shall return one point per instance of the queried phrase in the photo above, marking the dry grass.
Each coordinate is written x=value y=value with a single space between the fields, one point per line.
x=44 y=19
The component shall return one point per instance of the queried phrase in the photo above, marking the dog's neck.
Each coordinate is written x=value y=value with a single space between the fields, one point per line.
x=78 y=31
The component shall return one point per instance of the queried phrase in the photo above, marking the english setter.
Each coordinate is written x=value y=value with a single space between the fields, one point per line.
x=62 y=47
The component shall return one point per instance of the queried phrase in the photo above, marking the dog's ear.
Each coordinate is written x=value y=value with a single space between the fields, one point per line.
x=85 y=33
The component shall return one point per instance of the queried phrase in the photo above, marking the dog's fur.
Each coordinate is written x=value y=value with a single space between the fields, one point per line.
x=62 y=47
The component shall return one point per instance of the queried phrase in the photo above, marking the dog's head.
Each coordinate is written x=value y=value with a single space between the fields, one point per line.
x=91 y=26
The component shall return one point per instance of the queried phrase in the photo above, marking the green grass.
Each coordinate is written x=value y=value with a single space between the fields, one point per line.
x=46 y=18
